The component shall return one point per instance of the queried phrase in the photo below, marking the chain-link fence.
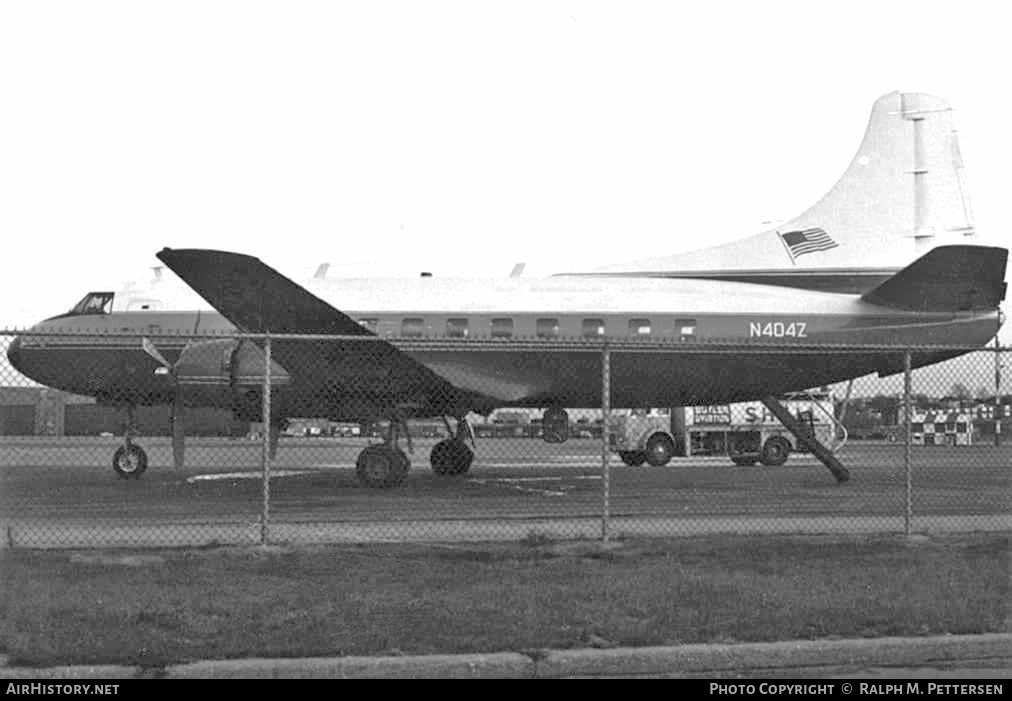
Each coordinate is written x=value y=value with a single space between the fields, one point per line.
x=120 y=439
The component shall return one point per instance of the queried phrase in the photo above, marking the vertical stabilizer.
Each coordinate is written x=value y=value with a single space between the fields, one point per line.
x=902 y=195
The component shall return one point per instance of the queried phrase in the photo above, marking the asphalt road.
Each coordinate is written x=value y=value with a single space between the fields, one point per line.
x=64 y=492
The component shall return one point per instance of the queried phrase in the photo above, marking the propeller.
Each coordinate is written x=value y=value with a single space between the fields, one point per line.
x=176 y=421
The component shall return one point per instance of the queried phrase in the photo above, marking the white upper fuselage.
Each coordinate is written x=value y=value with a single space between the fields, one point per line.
x=570 y=295
x=573 y=307
x=561 y=294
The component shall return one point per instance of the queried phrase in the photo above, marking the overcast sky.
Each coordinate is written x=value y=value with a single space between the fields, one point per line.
x=454 y=137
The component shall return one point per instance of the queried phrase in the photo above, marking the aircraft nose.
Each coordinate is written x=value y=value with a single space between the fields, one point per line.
x=14 y=353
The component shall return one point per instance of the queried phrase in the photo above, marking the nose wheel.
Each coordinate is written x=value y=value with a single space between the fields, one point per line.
x=129 y=461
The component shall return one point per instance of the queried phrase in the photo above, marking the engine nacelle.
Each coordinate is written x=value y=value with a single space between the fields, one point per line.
x=226 y=361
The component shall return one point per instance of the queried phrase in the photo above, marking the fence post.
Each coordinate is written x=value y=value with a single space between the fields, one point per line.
x=908 y=513
x=997 y=393
x=265 y=459
x=605 y=454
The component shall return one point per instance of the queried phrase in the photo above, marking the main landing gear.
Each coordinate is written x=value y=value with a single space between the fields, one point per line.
x=129 y=461
x=452 y=456
x=384 y=464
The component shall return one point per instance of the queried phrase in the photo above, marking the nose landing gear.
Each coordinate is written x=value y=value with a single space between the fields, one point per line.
x=129 y=461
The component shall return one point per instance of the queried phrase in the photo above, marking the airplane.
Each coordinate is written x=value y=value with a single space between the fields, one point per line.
x=902 y=195
x=432 y=347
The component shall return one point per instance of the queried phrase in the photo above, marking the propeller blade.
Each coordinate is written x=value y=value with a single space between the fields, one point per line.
x=150 y=349
x=176 y=410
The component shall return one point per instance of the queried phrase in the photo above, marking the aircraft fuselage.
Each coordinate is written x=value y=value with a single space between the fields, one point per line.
x=662 y=332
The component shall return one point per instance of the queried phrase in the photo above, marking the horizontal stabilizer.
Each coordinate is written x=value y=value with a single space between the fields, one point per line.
x=947 y=279
x=254 y=296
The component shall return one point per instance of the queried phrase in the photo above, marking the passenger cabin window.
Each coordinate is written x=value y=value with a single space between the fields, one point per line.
x=94 y=303
x=413 y=327
x=502 y=328
x=639 y=327
x=593 y=327
x=547 y=328
x=685 y=329
x=456 y=328
x=369 y=323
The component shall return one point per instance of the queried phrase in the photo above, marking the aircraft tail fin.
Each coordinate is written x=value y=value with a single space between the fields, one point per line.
x=947 y=279
x=902 y=195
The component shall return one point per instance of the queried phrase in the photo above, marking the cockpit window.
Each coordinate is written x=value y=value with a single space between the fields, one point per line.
x=94 y=303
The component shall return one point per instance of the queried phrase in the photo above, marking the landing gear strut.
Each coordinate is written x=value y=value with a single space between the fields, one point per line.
x=452 y=456
x=129 y=461
x=384 y=464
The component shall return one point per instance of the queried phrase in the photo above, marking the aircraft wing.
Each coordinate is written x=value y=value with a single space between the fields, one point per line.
x=258 y=299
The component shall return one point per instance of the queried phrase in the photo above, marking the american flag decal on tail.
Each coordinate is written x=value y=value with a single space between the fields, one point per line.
x=804 y=241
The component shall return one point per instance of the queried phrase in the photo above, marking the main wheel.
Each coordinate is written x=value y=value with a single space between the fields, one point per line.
x=660 y=448
x=130 y=461
x=451 y=457
x=633 y=458
x=380 y=466
x=775 y=451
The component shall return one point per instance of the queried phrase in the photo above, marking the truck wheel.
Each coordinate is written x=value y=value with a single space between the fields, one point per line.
x=775 y=451
x=660 y=448
x=633 y=458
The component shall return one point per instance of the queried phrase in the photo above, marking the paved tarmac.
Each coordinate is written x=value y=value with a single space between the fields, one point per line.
x=966 y=657
x=62 y=493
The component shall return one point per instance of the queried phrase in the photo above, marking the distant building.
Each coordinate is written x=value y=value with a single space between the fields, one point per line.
x=41 y=411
